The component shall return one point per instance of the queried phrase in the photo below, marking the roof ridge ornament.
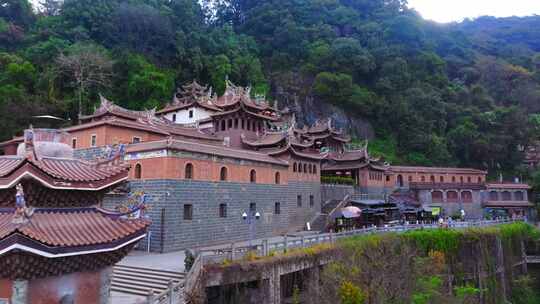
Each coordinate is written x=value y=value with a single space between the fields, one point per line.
x=22 y=212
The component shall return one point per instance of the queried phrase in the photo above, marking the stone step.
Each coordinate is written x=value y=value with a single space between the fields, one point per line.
x=155 y=275
x=139 y=281
x=131 y=291
x=142 y=284
x=149 y=270
x=147 y=279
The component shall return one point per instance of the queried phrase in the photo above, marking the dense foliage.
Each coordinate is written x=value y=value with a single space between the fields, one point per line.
x=459 y=94
x=450 y=266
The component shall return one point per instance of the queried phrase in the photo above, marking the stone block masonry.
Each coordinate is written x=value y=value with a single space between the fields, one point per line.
x=171 y=231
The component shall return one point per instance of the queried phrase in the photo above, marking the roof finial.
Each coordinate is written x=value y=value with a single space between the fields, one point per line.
x=22 y=212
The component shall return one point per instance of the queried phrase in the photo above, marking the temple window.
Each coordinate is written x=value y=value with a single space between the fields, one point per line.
x=174 y=117
x=277 y=208
x=229 y=124
x=188 y=173
x=295 y=167
x=253 y=176
x=441 y=179
x=136 y=140
x=299 y=201
x=410 y=179
x=437 y=197
x=138 y=171
x=190 y=114
x=223 y=174
x=466 y=196
x=506 y=196
x=236 y=123
x=400 y=180
x=469 y=180
x=305 y=168
x=453 y=179
x=432 y=179
x=223 y=125
x=423 y=178
x=461 y=179
x=314 y=169
x=388 y=178
x=242 y=122
x=518 y=196
x=277 y=178
x=493 y=196
x=479 y=180
x=249 y=125
x=222 y=210
x=74 y=143
x=300 y=167
x=452 y=196
x=93 y=140
x=188 y=212
x=311 y=201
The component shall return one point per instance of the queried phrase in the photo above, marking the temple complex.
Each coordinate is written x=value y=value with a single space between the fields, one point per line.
x=204 y=160
x=54 y=232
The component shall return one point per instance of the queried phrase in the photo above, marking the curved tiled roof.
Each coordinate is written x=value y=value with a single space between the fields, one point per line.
x=9 y=163
x=437 y=170
x=71 y=227
x=197 y=147
x=180 y=106
x=77 y=170
x=268 y=139
x=348 y=155
x=61 y=172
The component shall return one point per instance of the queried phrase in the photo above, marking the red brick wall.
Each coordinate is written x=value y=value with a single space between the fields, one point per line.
x=11 y=149
x=416 y=177
x=206 y=170
x=109 y=135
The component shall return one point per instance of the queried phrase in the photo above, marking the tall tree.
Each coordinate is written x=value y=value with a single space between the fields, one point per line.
x=88 y=66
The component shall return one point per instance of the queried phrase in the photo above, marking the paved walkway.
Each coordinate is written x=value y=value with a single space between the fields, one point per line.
x=174 y=261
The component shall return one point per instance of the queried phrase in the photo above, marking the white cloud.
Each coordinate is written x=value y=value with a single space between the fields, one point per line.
x=457 y=10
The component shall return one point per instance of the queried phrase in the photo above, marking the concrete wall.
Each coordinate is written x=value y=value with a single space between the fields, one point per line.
x=171 y=232
x=335 y=192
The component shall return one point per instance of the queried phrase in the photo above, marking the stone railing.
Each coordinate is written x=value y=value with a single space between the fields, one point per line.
x=266 y=247
x=177 y=293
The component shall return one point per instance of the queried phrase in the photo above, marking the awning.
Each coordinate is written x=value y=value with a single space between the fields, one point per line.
x=348 y=212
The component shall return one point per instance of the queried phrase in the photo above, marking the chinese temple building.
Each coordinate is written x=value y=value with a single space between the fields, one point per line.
x=204 y=160
x=57 y=245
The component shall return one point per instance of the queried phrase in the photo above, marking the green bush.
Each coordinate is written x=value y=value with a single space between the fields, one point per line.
x=340 y=180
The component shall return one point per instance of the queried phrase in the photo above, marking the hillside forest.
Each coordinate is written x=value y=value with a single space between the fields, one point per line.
x=460 y=94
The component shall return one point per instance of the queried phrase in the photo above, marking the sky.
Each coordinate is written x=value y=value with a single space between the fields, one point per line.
x=457 y=10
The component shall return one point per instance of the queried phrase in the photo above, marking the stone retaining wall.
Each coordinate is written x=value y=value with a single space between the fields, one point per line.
x=171 y=232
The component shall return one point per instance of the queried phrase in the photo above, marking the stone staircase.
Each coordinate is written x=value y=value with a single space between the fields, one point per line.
x=319 y=223
x=139 y=281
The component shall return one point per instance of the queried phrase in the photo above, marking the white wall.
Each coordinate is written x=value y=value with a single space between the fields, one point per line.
x=182 y=116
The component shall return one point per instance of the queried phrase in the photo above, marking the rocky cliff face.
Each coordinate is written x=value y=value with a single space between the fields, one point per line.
x=294 y=92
